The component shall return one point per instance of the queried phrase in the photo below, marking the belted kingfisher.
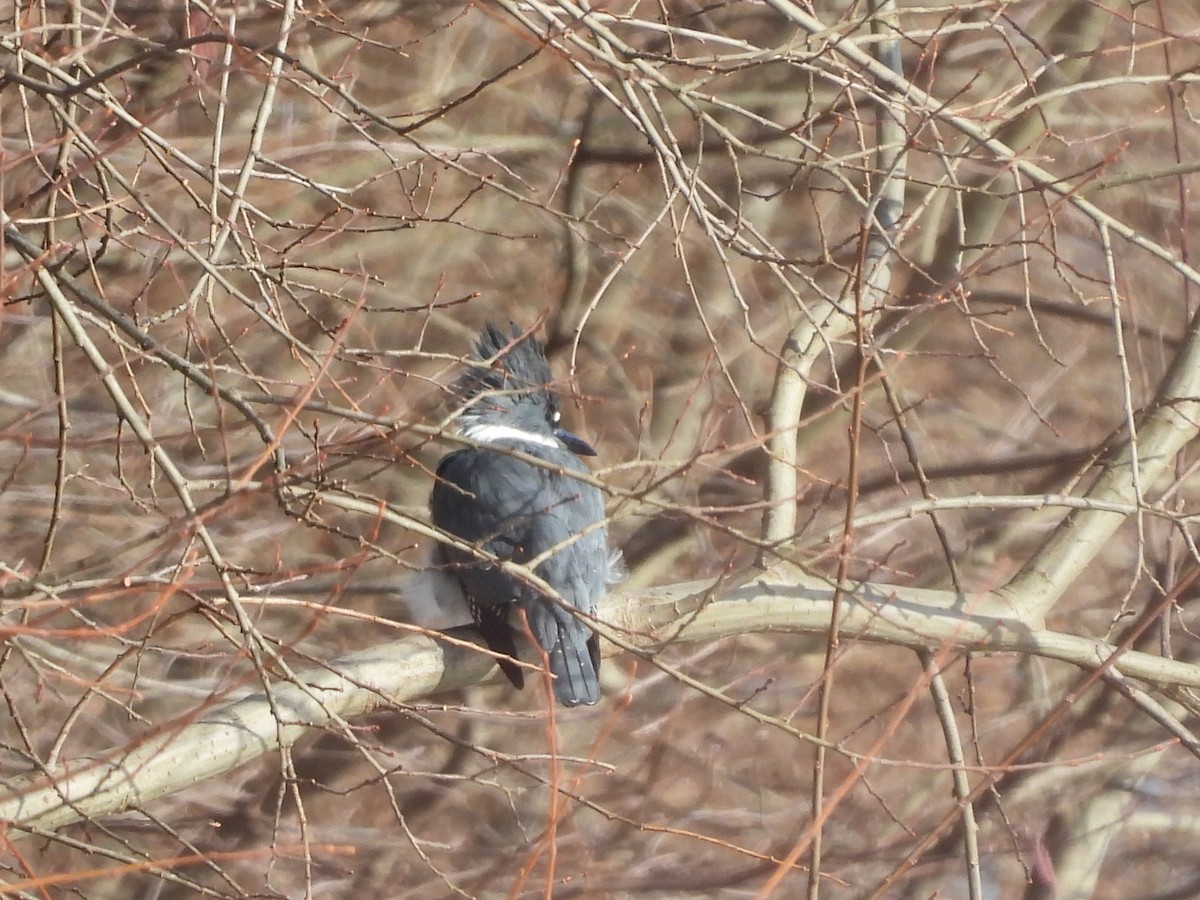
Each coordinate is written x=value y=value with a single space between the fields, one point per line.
x=519 y=511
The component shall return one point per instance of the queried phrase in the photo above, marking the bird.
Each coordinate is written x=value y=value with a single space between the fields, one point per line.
x=539 y=514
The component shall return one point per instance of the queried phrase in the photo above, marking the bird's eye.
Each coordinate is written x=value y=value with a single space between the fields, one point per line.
x=556 y=417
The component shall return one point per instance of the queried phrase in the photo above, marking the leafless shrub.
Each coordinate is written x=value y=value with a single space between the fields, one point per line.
x=882 y=318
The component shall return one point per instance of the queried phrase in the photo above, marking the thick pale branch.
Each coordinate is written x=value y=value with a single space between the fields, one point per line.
x=219 y=741
x=1171 y=423
x=784 y=599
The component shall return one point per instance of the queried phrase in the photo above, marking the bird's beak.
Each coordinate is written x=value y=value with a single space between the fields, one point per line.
x=576 y=445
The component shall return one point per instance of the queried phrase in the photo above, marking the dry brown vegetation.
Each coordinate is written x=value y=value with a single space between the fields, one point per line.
x=881 y=318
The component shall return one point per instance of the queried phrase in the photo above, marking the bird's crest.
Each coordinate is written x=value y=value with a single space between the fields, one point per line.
x=509 y=362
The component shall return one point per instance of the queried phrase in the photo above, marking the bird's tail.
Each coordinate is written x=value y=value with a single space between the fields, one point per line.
x=573 y=649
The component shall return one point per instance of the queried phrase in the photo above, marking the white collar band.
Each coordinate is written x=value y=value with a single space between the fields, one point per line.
x=488 y=433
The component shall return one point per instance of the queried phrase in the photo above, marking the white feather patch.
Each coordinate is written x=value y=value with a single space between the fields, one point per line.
x=435 y=600
x=489 y=433
x=616 y=572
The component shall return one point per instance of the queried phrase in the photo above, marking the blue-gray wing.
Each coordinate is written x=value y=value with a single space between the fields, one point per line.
x=517 y=511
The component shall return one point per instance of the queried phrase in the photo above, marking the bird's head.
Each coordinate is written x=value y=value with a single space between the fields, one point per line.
x=508 y=396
